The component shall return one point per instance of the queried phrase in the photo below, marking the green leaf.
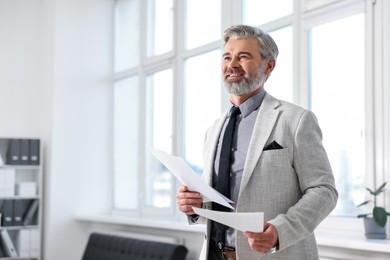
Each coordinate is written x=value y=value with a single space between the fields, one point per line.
x=372 y=193
x=364 y=203
x=380 y=216
x=380 y=189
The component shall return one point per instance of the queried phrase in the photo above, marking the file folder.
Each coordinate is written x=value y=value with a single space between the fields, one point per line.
x=31 y=211
x=13 y=152
x=19 y=207
x=24 y=152
x=7 y=211
x=1 y=251
x=8 y=246
x=34 y=151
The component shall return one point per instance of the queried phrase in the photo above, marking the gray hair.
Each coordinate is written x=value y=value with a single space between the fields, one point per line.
x=267 y=46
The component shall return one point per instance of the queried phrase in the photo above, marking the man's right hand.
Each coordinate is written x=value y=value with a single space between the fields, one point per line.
x=187 y=199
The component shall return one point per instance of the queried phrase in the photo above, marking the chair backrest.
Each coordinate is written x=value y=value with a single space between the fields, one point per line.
x=110 y=247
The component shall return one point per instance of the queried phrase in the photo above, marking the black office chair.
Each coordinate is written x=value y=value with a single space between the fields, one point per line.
x=110 y=247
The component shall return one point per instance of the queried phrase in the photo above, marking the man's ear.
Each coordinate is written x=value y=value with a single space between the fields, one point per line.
x=270 y=66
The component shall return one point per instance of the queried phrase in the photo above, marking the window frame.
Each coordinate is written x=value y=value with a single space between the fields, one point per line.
x=306 y=14
x=327 y=11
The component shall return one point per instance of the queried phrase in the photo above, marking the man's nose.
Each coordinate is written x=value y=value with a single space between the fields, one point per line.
x=233 y=63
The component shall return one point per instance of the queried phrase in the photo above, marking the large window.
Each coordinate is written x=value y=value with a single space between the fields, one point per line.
x=261 y=12
x=280 y=84
x=167 y=92
x=127 y=28
x=126 y=167
x=196 y=22
x=202 y=81
x=159 y=133
x=160 y=27
x=337 y=98
x=167 y=88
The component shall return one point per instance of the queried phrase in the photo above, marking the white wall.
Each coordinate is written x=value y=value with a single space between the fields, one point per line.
x=80 y=157
x=55 y=70
x=24 y=96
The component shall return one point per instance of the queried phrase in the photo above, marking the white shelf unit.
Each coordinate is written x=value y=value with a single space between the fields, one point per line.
x=26 y=184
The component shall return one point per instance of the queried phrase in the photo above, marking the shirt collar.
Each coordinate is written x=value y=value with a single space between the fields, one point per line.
x=251 y=104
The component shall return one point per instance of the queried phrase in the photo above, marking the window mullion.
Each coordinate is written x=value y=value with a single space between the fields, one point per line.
x=379 y=89
x=142 y=119
x=386 y=95
x=141 y=145
x=178 y=91
x=370 y=97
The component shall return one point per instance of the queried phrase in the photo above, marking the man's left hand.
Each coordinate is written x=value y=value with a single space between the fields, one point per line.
x=263 y=242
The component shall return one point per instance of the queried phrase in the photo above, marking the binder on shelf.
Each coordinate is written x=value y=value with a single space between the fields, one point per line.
x=8 y=246
x=19 y=207
x=7 y=211
x=24 y=156
x=2 y=182
x=9 y=182
x=23 y=242
x=26 y=188
x=34 y=243
x=2 y=254
x=34 y=151
x=30 y=213
x=13 y=152
x=1 y=159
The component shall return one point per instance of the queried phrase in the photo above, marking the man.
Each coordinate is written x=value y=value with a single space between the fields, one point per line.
x=277 y=162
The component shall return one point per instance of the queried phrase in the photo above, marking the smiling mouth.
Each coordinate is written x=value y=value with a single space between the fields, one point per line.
x=234 y=77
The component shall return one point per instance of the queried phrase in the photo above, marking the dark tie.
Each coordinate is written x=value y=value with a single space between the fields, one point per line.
x=223 y=181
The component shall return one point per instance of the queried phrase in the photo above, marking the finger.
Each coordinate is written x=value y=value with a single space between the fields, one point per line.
x=188 y=195
x=263 y=241
x=255 y=236
x=191 y=202
x=183 y=188
x=258 y=246
x=187 y=209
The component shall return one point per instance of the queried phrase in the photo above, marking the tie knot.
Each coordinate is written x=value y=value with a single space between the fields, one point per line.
x=234 y=111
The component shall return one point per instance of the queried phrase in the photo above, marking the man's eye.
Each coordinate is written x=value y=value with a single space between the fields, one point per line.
x=226 y=58
x=244 y=57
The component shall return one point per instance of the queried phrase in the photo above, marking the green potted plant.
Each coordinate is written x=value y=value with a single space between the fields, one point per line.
x=375 y=222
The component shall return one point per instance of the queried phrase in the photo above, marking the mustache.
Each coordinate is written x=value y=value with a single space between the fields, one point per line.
x=234 y=71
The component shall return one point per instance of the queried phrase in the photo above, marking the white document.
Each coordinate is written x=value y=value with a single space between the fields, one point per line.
x=184 y=173
x=10 y=180
x=243 y=221
x=23 y=242
x=34 y=243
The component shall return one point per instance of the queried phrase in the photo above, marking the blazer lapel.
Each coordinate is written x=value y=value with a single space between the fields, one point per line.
x=265 y=122
x=211 y=147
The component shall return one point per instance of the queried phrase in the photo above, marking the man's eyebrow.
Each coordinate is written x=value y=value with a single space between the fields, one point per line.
x=245 y=52
x=240 y=53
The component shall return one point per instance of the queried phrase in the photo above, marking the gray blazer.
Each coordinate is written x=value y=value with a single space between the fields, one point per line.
x=293 y=186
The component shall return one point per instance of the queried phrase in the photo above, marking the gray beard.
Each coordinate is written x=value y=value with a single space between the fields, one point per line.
x=246 y=86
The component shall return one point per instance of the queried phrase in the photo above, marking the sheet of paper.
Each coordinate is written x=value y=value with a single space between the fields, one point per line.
x=184 y=173
x=243 y=221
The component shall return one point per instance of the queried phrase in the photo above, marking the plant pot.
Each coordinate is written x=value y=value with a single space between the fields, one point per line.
x=373 y=230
